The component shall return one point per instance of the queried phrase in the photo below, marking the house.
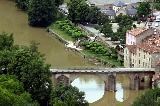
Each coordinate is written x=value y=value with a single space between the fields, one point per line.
x=110 y=13
x=144 y=50
x=118 y=5
x=118 y=8
x=131 y=12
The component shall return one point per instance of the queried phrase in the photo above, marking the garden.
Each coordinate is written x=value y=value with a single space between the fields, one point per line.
x=108 y=56
x=67 y=30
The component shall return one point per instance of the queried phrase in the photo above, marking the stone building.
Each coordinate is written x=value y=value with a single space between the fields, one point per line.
x=142 y=48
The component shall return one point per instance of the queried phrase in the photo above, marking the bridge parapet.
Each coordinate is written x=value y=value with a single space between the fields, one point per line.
x=104 y=70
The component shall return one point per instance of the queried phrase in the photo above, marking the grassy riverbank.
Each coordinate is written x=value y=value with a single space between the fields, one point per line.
x=106 y=60
x=95 y=50
x=61 y=33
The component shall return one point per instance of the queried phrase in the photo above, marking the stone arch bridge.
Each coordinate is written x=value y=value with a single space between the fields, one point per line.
x=136 y=76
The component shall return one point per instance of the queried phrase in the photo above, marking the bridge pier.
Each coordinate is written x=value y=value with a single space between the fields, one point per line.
x=138 y=81
x=62 y=78
x=110 y=83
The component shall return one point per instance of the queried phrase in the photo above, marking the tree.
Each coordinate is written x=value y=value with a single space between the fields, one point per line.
x=12 y=92
x=107 y=29
x=78 y=11
x=27 y=64
x=22 y=4
x=67 y=96
x=41 y=12
x=143 y=10
x=93 y=15
x=6 y=41
x=149 y=98
x=102 y=19
x=59 y=2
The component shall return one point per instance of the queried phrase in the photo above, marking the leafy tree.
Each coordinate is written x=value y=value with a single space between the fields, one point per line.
x=124 y=21
x=12 y=92
x=149 y=98
x=102 y=19
x=6 y=41
x=22 y=4
x=107 y=29
x=78 y=11
x=143 y=10
x=157 y=6
x=27 y=64
x=58 y=2
x=94 y=15
x=67 y=96
x=41 y=12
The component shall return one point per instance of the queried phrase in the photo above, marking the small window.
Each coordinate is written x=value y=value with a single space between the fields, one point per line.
x=144 y=56
x=139 y=62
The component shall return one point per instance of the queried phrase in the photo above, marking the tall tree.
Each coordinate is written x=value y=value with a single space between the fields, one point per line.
x=12 y=92
x=149 y=98
x=58 y=2
x=78 y=11
x=107 y=29
x=6 y=41
x=94 y=15
x=67 y=96
x=22 y=4
x=41 y=12
x=143 y=10
x=28 y=65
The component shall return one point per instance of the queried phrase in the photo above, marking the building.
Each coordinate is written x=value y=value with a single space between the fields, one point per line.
x=118 y=8
x=142 y=48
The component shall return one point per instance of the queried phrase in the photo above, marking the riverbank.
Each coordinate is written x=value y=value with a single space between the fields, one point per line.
x=90 y=56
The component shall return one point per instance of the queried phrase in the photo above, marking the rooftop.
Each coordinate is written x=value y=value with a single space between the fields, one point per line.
x=137 y=31
x=151 y=44
x=132 y=11
x=119 y=4
x=109 y=12
x=131 y=48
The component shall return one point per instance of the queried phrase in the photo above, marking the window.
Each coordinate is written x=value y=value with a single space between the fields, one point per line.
x=143 y=64
x=149 y=59
x=144 y=56
x=139 y=62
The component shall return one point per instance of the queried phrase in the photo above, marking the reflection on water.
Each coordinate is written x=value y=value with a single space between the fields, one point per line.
x=94 y=86
x=93 y=91
x=119 y=92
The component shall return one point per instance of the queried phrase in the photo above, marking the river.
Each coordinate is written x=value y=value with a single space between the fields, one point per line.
x=14 y=21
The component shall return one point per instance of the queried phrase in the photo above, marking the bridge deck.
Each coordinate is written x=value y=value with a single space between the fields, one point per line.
x=104 y=70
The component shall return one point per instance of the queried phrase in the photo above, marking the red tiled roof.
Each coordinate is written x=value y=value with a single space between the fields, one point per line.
x=137 y=31
x=131 y=48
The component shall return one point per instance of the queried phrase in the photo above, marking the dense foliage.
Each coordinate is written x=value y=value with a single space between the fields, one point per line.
x=143 y=10
x=73 y=31
x=22 y=4
x=107 y=30
x=12 y=92
x=81 y=12
x=125 y=23
x=68 y=96
x=98 y=48
x=149 y=98
x=27 y=64
x=41 y=12
x=58 y=2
